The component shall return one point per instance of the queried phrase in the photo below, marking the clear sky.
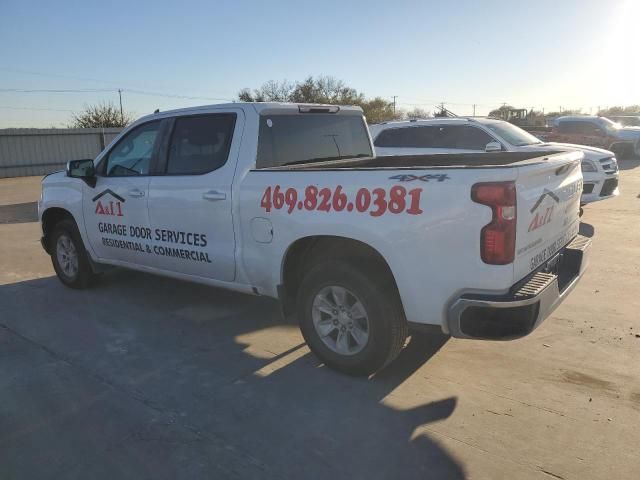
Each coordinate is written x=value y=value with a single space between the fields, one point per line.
x=546 y=53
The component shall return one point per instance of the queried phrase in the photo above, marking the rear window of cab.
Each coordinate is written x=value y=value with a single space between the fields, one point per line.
x=299 y=138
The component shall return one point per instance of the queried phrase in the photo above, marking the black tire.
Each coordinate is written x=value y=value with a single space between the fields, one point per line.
x=387 y=326
x=84 y=275
x=623 y=151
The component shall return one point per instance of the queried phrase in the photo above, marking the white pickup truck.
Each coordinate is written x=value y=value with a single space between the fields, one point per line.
x=289 y=201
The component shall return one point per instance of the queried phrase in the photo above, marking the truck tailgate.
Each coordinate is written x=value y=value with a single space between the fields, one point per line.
x=548 y=206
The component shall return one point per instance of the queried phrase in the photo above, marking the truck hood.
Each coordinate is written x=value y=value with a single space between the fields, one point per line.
x=629 y=133
x=589 y=152
x=54 y=176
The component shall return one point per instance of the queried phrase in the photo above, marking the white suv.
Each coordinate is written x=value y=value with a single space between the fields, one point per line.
x=472 y=135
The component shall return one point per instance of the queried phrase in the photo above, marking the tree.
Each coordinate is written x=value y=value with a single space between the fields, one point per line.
x=618 y=110
x=323 y=89
x=270 y=91
x=416 y=113
x=577 y=111
x=102 y=115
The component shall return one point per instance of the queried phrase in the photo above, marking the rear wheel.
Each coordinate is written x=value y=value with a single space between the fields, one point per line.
x=351 y=318
x=69 y=257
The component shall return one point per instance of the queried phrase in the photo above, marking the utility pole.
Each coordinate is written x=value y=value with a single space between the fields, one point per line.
x=121 y=114
x=474 y=109
x=394 y=104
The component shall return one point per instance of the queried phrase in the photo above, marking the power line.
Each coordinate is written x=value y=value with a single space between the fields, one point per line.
x=57 y=75
x=111 y=82
x=119 y=91
x=55 y=90
x=171 y=95
x=36 y=109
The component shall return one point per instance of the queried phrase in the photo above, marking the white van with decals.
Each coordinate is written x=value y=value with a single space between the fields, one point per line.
x=289 y=201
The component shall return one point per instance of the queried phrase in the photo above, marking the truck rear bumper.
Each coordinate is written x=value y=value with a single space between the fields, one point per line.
x=528 y=303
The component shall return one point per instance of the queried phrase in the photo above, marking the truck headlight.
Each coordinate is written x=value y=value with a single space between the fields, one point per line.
x=588 y=166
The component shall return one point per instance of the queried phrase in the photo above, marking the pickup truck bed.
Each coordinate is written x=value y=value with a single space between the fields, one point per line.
x=439 y=160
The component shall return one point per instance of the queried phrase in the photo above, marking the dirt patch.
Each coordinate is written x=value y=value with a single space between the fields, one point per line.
x=579 y=378
x=635 y=398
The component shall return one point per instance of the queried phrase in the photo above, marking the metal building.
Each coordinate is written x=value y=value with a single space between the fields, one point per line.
x=34 y=151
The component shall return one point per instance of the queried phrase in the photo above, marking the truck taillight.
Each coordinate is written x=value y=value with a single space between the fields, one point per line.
x=498 y=238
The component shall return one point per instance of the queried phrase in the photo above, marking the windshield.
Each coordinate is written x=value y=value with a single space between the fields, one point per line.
x=298 y=138
x=512 y=134
x=610 y=124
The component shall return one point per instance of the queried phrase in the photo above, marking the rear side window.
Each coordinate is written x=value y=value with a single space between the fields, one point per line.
x=408 y=137
x=435 y=136
x=570 y=126
x=200 y=144
x=299 y=138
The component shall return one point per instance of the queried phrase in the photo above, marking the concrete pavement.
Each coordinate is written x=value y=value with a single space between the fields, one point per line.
x=147 y=377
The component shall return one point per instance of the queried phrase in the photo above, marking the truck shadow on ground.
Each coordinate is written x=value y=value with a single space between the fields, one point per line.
x=219 y=366
x=19 y=213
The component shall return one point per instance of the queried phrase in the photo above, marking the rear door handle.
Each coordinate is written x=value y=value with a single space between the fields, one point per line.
x=136 y=193
x=214 y=195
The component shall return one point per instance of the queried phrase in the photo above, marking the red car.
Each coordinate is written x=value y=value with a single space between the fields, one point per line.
x=596 y=132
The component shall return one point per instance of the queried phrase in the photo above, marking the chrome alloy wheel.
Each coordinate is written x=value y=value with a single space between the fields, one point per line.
x=340 y=320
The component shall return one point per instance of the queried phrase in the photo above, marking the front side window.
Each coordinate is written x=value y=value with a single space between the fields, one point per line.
x=512 y=134
x=132 y=154
x=200 y=144
x=570 y=127
x=470 y=138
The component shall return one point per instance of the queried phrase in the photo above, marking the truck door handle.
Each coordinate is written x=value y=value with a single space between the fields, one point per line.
x=214 y=195
x=136 y=192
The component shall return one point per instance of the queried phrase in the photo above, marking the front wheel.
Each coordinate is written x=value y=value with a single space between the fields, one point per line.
x=69 y=257
x=351 y=318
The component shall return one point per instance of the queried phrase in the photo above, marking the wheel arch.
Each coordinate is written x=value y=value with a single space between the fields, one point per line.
x=305 y=252
x=49 y=219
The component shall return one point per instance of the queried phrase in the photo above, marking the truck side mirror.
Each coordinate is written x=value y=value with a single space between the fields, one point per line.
x=493 y=147
x=83 y=169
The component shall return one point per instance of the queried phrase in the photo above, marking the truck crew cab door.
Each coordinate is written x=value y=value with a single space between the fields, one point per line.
x=190 y=206
x=115 y=211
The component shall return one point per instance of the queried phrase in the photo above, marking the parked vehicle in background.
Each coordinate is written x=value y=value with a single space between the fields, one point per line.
x=474 y=135
x=597 y=132
x=289 y=201
x=625 y=120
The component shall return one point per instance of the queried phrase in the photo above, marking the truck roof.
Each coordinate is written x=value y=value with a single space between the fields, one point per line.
x=439 y=120
x=578 y=117
x=257 y=107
